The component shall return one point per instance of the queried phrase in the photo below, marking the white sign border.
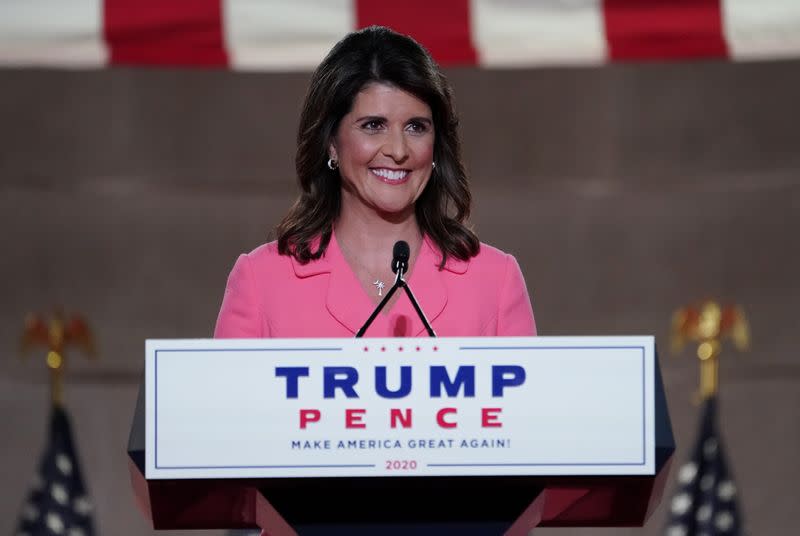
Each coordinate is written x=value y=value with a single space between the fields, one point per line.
x=645 y=343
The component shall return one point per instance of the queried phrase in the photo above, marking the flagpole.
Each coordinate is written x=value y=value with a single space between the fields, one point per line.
x=705 y=500
x=58 y=501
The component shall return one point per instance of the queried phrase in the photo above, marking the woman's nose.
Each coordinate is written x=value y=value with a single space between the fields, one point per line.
x=396 y=146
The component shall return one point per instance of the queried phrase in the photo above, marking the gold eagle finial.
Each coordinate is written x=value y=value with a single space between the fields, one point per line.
x=56 y=334
x=708 y=324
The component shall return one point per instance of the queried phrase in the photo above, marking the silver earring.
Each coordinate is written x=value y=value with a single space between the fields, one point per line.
x=433 y=165
x=332 y=164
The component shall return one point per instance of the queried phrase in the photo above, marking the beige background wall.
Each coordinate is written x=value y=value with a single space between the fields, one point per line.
x=624 y=192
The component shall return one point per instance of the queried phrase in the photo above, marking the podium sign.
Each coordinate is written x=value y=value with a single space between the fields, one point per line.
x=303 y=408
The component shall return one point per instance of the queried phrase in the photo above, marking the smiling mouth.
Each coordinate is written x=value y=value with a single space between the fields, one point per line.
x=391 y=176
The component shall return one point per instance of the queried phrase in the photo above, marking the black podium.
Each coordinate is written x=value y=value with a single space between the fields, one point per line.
x=485 y=505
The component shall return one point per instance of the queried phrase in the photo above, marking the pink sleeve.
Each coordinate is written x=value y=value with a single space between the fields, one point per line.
x=515 y=315
x=240 y=315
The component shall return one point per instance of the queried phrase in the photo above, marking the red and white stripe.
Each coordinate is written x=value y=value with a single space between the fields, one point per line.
x=295 y=34
x=516 y=33
x=284 y=34
x=762 y=29
x=52 y=33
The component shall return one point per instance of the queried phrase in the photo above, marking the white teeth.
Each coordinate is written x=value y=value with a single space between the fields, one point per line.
x=391 y=174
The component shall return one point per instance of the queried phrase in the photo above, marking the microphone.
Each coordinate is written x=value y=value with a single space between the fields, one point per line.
x=401 y=253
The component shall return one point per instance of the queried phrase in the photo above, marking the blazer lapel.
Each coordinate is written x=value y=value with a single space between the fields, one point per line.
x=344 y=295
x=427 y=282
x=346 y=300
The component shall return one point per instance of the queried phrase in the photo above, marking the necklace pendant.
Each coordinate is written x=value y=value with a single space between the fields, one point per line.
x=380 y=286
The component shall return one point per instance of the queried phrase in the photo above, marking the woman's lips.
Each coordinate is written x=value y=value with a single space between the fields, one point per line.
x=391 y=176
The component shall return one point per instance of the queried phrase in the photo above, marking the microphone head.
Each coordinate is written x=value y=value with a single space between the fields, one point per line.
x=400 y=255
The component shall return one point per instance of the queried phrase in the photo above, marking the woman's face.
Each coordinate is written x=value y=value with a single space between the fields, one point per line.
x=384 y=147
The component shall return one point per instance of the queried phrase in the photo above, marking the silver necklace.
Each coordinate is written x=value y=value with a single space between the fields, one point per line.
x=378 y=283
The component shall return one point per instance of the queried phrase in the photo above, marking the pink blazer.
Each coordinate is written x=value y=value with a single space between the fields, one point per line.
x=272 y=295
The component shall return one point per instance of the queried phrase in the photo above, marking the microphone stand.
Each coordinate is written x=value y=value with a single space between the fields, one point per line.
x=398 y=282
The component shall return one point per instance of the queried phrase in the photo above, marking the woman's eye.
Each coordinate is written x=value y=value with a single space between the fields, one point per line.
x=417 y=127
x=372 y=124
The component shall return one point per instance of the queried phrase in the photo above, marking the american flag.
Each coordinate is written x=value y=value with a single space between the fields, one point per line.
x=57 y=503
x=705 y=503
x=286 y=35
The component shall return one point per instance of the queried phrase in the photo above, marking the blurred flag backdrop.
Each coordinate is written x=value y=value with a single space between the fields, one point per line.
x=296 y=34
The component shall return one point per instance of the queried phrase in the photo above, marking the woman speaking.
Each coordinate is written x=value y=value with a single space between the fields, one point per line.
x=378 y=161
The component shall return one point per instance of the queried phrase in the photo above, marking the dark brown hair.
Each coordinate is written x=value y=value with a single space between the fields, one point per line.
x=376 y=54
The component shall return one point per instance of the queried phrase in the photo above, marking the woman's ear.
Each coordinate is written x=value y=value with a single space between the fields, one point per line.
x=332 y=154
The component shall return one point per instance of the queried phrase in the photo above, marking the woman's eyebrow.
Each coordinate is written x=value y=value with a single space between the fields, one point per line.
x=370 y=118
x=421 y=119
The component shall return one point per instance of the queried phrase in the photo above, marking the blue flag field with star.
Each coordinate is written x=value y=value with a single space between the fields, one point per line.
x=705 y=502
x=57 y=503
